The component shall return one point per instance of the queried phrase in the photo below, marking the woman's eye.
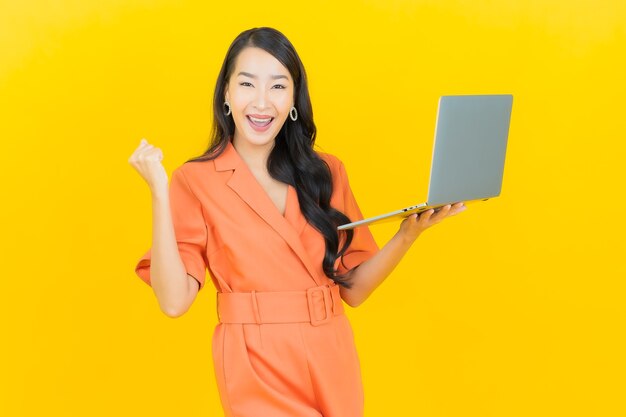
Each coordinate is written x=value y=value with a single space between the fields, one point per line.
x=245 y=84
x=279 y=86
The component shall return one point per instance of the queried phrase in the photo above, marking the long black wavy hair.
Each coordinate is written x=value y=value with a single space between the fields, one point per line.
x=292 y=159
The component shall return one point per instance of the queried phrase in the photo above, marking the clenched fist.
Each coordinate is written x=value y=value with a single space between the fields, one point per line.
x=146 y=159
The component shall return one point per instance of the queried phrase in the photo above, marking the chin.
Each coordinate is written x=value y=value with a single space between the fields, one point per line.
x=257 y=139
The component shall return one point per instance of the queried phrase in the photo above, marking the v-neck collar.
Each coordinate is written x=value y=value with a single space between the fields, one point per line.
x=244 y=183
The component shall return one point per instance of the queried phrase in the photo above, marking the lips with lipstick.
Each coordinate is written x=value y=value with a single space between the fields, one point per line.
x=259 y=122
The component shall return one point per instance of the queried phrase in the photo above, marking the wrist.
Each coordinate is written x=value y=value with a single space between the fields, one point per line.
x=159 y=193
x=407 y=237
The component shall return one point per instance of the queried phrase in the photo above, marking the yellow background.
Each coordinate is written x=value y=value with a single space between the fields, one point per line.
x=514 y=308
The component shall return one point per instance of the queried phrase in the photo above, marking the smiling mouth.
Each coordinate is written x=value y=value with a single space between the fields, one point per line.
x=260 y=122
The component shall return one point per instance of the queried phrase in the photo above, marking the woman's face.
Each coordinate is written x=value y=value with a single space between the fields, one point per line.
x=260 y=92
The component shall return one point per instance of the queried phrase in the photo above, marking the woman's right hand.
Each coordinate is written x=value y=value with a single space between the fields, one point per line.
x=146 y=159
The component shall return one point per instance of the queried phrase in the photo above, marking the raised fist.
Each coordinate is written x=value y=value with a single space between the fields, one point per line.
x=146 y=159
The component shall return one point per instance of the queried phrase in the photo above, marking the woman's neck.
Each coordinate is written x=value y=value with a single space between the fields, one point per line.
x=255 y=156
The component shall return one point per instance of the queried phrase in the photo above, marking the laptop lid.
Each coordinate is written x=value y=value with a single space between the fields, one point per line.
x=470 y=145
x=471 y=134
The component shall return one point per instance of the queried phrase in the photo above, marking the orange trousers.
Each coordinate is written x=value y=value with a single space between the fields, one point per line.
x=286 y=354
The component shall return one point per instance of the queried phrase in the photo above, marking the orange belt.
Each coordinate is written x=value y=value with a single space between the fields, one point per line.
x=316 y=305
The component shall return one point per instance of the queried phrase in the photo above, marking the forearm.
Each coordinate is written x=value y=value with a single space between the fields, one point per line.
x=370 y=274
x=168 y=276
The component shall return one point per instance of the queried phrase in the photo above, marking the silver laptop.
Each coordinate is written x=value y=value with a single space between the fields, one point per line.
x=468 y=158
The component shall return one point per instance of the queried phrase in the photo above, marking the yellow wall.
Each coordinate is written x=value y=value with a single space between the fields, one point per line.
x=514 y=308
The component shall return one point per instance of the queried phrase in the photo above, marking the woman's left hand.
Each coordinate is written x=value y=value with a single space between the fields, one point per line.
x=415 y=224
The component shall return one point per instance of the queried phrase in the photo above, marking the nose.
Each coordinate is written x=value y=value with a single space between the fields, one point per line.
x=260 y=101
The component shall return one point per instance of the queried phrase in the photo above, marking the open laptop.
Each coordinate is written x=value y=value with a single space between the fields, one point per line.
x=468 y=158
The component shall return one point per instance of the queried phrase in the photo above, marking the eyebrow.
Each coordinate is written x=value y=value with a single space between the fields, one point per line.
x=273 y=77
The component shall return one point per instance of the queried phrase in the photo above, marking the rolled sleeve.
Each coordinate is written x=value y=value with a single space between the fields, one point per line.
x=189 y=228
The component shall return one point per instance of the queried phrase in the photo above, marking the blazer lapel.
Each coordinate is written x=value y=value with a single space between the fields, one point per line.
x=244 y=183
x=293 y=213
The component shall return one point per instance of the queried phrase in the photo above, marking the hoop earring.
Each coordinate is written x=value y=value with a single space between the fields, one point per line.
x=293 y=114
x=229 y=111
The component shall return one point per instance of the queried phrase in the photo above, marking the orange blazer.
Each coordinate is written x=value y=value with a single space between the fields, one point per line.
x=225 y=222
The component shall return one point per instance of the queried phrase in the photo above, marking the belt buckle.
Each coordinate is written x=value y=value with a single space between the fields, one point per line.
x=327 y=300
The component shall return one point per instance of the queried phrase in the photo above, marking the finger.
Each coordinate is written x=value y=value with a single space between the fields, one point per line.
x=136 y=153
x=442 y=213
x=153 y=154
x=412 y=218
x=408 y=221
x=458 y=208
x=426 y=215
x=142 y=143
x=145 y=150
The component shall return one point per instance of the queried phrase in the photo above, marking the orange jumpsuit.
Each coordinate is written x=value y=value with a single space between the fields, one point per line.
x=225 y=221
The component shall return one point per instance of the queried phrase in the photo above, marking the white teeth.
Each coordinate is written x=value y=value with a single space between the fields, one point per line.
x=260 y=121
